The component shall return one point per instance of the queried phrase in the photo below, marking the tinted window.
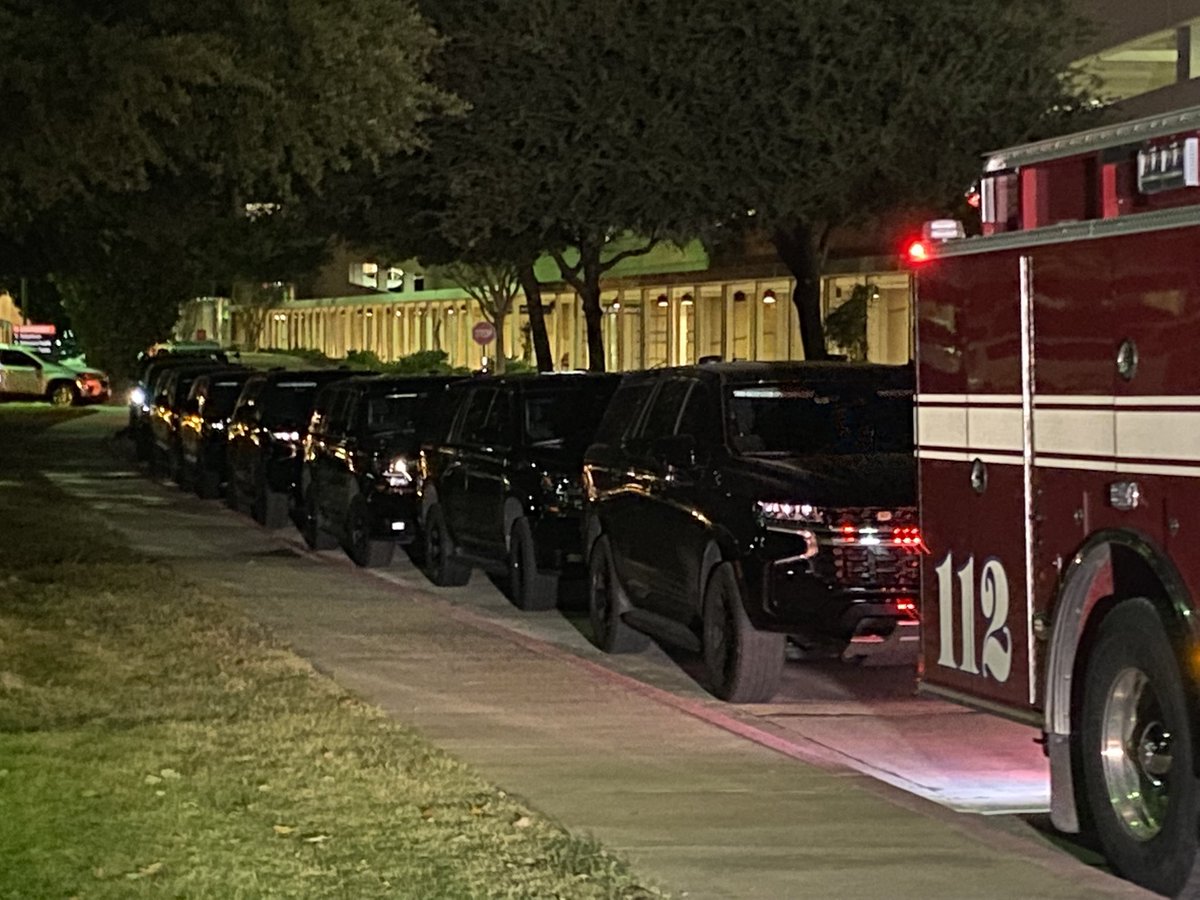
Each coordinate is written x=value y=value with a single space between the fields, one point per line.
x=664 y=412
x=182 y=387
x=440 y=415
x=479 y=403
x=14 y=358
x=289 y=403
x=338 y=406
x=567 y=415
x=701 y=418
x=222 y=395
x=623 y=411
x=394 y=411
x=818 y=419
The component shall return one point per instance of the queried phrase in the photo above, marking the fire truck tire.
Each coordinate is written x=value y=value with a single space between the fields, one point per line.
x=605 y=605
x=744 y=665
x=1137 y=755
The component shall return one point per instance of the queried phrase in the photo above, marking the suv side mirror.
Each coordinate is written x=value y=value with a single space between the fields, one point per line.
x=677 y=451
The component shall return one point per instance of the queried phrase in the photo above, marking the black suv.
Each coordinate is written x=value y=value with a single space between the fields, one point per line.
x=152 y=372
x=141 y=395
x=358 y=481
x=265 y=434
x=166 y=412
x=500 y=480
x=202 y=429
x=733 y=504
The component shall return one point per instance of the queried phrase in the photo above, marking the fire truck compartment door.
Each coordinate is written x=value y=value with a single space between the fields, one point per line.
x=974 y=405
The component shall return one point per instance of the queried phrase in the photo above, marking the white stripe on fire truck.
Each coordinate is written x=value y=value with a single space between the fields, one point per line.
x=1091 y=464
x=1137 y=432
x=1150 y=434
x=1149 y=401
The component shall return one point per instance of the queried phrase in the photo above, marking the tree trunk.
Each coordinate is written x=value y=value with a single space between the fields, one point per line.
x=537 y=316
x=799 y=250
x=588 y=285
x=501 y=356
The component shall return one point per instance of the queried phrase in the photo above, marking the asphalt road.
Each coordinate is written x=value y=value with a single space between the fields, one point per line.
x=839 y=717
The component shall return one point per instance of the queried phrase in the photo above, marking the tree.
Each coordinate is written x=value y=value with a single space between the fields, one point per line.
x=575 y=140
x=862 y=109
x=266 y=96
x=399 y=208
x=494 y=289
x=111 y=109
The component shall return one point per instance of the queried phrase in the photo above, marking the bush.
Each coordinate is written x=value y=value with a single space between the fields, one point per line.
x=316 y=357
x=425 y=362
x=519 y=366
x=365 y=359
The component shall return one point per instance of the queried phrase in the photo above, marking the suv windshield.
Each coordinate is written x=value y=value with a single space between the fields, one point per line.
x=794 y=420
x=393 y=411
x=564 y=417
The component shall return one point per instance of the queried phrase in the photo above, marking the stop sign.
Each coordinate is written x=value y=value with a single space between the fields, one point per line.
x=483 y=333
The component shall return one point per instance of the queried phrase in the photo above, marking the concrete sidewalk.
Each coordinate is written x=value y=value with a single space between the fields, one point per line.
x=670 y=783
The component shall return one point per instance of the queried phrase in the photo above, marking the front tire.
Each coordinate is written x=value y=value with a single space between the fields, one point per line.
x=1137 y=751
x=744 y=664
x=529 y=589
x=207 y=483
x=269 y=508
x=441 y=566
x=314 y=535
x=361 y=547
x=609 y=631
x=63 y=394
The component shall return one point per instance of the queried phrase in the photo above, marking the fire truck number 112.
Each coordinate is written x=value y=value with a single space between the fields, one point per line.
x=995 y=653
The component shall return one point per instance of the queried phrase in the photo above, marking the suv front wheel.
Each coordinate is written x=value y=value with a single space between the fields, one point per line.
x=440 y=564
x=744 y=664
x=609 y=631
x=528 y=588
x=366 y=551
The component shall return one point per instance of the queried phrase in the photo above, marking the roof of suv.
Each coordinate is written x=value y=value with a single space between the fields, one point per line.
x=388 y=381
x=775 y=371
x=320 y=376
x=540 y=379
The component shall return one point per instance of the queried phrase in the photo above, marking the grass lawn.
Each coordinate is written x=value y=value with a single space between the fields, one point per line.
x=154 y=742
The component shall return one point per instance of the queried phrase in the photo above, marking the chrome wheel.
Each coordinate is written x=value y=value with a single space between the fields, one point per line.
x=1136 y=754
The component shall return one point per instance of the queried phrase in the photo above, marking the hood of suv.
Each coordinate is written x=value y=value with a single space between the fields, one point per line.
x=866 y=480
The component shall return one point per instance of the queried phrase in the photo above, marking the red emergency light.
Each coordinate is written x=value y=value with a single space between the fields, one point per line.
x=918 y=252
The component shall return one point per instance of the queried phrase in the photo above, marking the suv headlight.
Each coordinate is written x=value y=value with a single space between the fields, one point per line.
x=398 y=471
x=137 y=397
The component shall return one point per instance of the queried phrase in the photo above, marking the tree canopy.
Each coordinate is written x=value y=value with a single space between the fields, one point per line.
x=142 y=129
x=821 y=114
x=583 y=131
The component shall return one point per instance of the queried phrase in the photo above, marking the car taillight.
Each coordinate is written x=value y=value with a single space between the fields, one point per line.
x=906 y=537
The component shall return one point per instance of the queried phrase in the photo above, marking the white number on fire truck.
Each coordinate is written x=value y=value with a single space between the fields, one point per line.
x=996 y=651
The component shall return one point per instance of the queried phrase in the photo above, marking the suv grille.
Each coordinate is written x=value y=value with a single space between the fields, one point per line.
x=859 y=565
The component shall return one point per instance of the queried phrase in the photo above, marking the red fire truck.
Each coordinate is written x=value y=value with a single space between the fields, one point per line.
x=1058 y=423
